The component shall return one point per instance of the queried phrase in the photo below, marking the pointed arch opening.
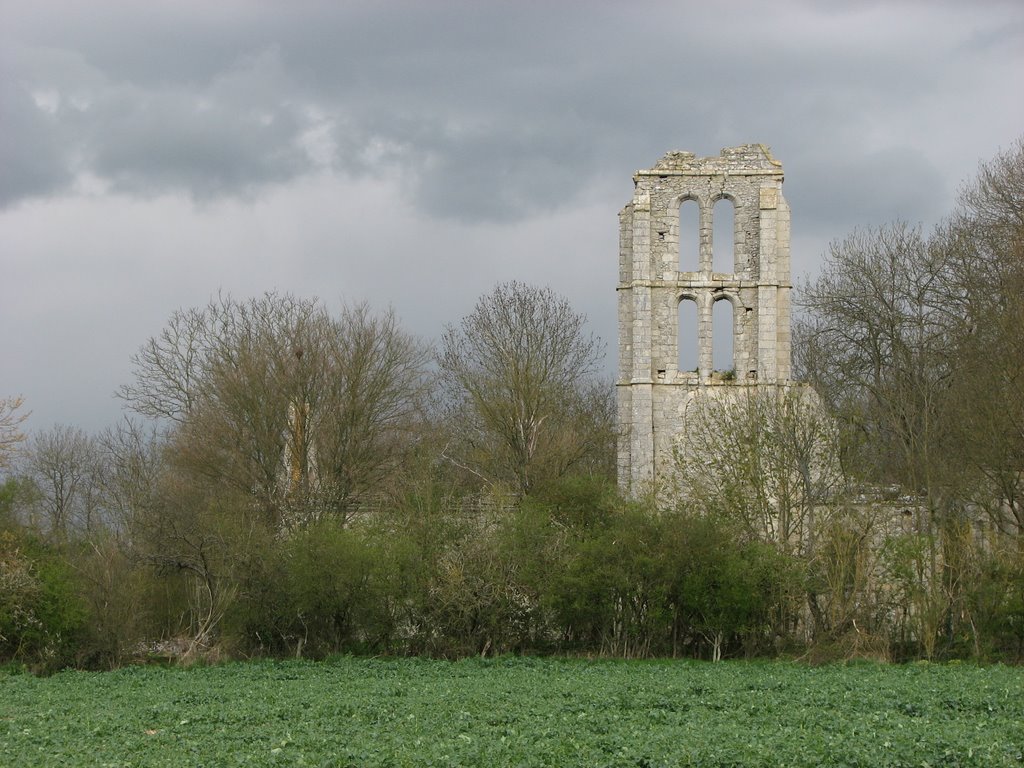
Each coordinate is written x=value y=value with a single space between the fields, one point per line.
x=723 y=236
x=723 y=336
x=689 y=236
x=687 y=332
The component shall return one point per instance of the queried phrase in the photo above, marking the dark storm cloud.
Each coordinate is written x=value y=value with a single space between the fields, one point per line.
x=835 y=190
x=31 y=155
x=238 y=132
x=458 y=97
x=488 y=112
x=414 y=152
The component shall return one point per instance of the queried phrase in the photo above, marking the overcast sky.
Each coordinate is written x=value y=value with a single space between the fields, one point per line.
x=416 y=153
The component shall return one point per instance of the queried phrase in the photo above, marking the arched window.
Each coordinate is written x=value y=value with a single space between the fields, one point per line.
x=723 y=237
x=689 y=236
x=722 y=334
x=687 y=335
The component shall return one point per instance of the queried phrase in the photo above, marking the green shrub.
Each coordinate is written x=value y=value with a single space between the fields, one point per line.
x=324 y=590
x=42 y=618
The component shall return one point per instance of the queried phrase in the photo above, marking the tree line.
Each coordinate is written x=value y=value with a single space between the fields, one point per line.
x=296 y=481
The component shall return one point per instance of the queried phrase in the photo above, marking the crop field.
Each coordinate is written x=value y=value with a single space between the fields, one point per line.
x=516 y=712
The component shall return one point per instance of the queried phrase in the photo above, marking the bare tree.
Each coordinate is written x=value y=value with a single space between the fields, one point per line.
x=10 y=432
x=994 y=200
x=985 y=406
x=765 y=460
x=873 y=344
x=524 y=400
x=250 y=380
x=915 y=344
x=373 y=406
x=63 y=465
x=169 y=367
x=131 y=463
x=200 y=534
x=302 y=411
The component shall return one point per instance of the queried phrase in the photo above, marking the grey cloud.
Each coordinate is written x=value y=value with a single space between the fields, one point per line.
x=502 y=174
x=207 y=143
x=450 y=95
x=832 y=191
x=489 y=112
x=154 y=44
x=238 y=131
x=154 y=148
x=522 y=120
x=31 y=154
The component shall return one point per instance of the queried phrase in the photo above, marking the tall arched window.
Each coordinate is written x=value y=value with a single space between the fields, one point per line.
x=687 y=335
x=689 y=236
x=723 y=237
x=722 y=335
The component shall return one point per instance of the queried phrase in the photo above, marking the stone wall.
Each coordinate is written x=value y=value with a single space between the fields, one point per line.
x=652 y=392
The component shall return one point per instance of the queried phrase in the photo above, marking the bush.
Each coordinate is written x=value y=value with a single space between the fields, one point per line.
x=995 y=603
x=117 y=595
x=726 y=595
x=42 y=618
x=324 y=590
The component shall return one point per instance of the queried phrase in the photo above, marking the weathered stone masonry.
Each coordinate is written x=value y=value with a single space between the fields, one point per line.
x=653 y=393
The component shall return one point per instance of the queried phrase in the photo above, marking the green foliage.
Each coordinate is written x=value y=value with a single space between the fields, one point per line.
x=995 y=602
x=577 y=503
x=8 y=494
x=610 y=589
x=620 y=579
x=571 y=568
x=723 y=589
x=337 y=586
x=323 y=590
x=517 y=712
x=42 y=619
x=117 y=594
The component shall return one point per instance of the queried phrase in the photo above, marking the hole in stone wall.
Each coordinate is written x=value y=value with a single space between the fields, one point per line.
x=689 y=236
x=722 y=335
x=687 y=335
x=724 y=237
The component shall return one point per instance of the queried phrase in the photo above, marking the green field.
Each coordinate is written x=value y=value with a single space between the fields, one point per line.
x=529 y=712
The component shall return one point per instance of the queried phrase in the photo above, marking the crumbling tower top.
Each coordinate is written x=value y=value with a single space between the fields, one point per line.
x=743 y=160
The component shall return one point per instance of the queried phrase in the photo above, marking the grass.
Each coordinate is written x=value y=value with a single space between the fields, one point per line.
x=516 y=712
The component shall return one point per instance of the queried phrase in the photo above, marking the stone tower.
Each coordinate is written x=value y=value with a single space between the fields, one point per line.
x=653 y=393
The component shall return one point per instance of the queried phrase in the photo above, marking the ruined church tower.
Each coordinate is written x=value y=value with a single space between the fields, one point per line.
x=744 y=183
